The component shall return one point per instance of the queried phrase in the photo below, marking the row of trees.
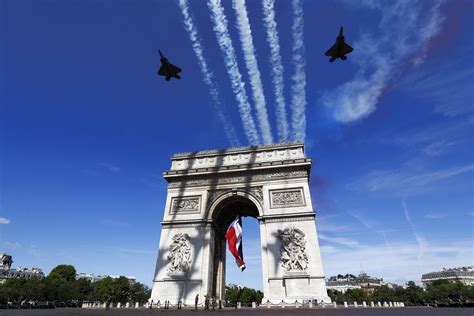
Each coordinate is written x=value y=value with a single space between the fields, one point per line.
x=440 y=292
x=61 y=286
x=244 y=295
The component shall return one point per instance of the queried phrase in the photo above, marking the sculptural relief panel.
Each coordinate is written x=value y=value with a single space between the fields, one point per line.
x=179 y=257
x=287 y=198
x=186 y=204
x=293 y=257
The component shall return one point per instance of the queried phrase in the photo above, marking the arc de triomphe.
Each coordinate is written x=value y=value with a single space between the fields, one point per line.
x=206 y=190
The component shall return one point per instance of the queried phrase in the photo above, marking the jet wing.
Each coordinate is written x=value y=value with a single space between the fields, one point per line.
x=332 y=51
x=162 y=71
x=346 y=49
x=175 y=69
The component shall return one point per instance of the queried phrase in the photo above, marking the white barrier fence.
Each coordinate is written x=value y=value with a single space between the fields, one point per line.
x=268 y=304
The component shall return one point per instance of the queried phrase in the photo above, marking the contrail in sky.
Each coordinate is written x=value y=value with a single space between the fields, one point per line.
x=245 y=33
x=225 y=44
x=208 y=75
x=419 y=239
x=276 y=67
x=298 y=94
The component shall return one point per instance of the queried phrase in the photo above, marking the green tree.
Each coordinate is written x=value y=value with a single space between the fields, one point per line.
x=103 y=290
x=356 y=295
x=64 y=272
x=84 y=289
x=121 y=290
x=139 y=293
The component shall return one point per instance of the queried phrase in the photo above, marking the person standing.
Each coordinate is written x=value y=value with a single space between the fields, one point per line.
x=206 y=302
x=196 y=301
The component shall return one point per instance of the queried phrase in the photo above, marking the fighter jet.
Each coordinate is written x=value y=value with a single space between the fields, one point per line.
x=167 y=69
x=339 y=49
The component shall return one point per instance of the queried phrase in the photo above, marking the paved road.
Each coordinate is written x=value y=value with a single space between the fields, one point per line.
x=415 y=311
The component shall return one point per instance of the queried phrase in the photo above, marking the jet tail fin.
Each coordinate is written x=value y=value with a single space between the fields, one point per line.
x=341 y=31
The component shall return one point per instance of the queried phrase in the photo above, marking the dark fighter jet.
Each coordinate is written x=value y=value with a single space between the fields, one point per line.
x=167 y=69
x=339 y=49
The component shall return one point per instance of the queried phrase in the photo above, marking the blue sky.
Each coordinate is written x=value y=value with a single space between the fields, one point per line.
x=87 y=127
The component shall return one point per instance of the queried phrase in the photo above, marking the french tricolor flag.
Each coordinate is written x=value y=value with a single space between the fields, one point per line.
x=234 y=239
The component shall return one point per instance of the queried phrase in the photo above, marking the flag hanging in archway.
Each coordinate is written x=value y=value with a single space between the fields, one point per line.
x=234 y=240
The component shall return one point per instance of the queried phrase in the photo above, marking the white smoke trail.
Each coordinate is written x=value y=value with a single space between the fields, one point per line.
x=276 y=67
x=208 y=75
x=227 y=49
x=245 y=34
x=298 y=94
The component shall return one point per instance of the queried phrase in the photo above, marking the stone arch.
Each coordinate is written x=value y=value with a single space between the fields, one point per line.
x=226 y=197
x=207 y=189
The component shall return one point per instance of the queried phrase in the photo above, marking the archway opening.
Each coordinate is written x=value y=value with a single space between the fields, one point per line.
x=224 y=214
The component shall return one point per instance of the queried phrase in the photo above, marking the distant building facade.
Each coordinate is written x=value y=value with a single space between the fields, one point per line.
x=342 y=283
x=464 y=275
x=6 y=272
x=95 y=278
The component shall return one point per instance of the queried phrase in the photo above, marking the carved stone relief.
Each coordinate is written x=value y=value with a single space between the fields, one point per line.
x=186 y=204
x=287 y=198
x=286 y=173
x=293 y=249
x=257 y=192
x=179 y=257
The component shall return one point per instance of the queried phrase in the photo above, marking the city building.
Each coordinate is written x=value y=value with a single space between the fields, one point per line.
x=464 y=275
x=363 y=281
x=95 y=278
x=6 y=272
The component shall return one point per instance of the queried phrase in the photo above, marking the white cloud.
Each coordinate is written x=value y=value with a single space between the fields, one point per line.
x=4 y=221
x=406 y=27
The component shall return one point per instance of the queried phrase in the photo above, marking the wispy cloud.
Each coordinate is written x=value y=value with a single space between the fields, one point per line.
x=419 y=238
x=154 y=182
x=447 y=86
x=406 y=28
x=344 y=241
x=12 y=245
x=298 y=85
x=225 y=43
x=436 y=215
x=114 y=223
x=4 y=221
x=135 y=251
x=399 y=263
x=406 y=181
x=208 y=75
x=109 y=167
x=276 y=67
x=245 y=34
